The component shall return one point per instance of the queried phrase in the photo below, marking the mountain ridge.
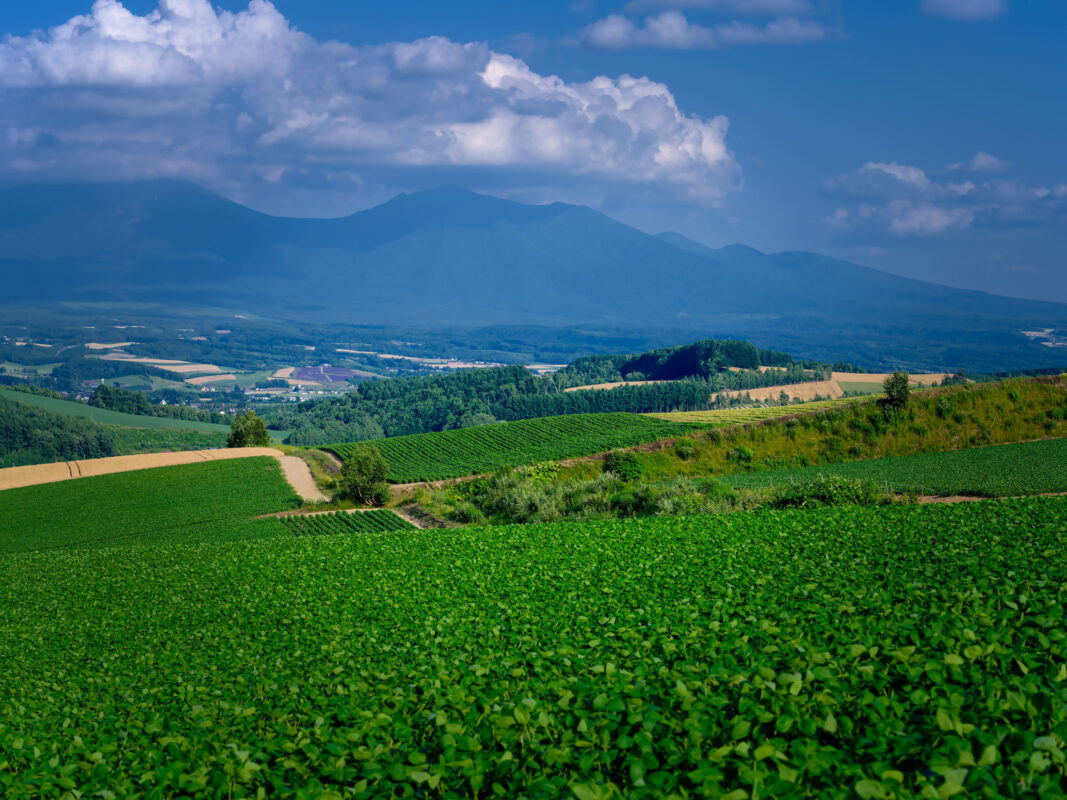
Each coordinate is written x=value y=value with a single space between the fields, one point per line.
x=449 y=256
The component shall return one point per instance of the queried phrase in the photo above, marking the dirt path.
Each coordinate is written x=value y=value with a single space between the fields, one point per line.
x=973 y=498
x=298 y=473
x=295 y=470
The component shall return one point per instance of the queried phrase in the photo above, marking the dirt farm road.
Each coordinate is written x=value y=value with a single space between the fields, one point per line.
x=295 y=470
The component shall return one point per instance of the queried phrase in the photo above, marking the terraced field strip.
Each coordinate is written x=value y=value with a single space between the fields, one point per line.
x=205 y=501
x=378 y=519
x=902 y=652
x=1005 y=470
x=456 y=453
x=296 y=471
x=738 y=416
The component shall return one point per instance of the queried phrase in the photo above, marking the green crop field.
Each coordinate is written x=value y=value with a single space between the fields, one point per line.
x=740 y=416
x=106 y=417
x=837 y=653
x=1000 y=471
x=342 y=522
x=467 y=451
x=192 y=502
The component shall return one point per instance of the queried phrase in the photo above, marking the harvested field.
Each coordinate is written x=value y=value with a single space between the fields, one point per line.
x=926 y=379
x=189 y=368
x=211 y=379
x=14 y=477
x=103 y=346
x=294 y=382
x=139 y=359
x=799 y=391
x=285 y=372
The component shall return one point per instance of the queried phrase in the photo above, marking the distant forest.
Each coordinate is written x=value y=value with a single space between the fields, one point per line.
x=476 y=397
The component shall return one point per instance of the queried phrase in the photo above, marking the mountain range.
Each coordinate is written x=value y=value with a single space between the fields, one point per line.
x=451 y=257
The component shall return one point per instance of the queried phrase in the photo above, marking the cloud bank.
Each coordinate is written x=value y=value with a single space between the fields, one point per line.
x=905 y=200
x=671 y=29
x=225 y=97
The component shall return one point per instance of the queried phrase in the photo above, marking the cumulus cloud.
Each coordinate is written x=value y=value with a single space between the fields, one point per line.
x=906 y=201
x=671 y=29
x=965 y=9
x=187 y=90
x=982 y=162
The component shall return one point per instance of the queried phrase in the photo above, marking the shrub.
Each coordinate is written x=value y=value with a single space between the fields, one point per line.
x=829 y=490
x=740 y=455
x=624 y=464
x=684 y=449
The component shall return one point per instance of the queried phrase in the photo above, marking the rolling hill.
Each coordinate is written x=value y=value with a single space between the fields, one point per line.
x=452 y=257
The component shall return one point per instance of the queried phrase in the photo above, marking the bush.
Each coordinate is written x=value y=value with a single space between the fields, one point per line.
x=740 y=455
x=830 y=490
x=684 y=449
x=625 y=465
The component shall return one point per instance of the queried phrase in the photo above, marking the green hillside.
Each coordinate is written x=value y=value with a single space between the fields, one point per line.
x=935 y=420
x=466 y=451
x=106 y=417
x=835 y=653
x=1002 y=471
x=189 y=503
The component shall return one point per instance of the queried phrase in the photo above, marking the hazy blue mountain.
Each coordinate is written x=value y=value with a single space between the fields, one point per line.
x=453 y=257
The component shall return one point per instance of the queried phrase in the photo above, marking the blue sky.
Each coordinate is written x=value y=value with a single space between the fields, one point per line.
x=923 y=137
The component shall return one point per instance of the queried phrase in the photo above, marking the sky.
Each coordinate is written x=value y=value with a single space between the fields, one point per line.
x=923 y=137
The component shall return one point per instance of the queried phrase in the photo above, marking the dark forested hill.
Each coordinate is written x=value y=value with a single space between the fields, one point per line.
x=452 y=257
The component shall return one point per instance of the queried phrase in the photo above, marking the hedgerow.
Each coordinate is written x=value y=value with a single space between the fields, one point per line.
x=837 y=653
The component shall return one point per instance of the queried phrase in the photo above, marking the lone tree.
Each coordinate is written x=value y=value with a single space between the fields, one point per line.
x=248 y=430
x=897 y=390
x=362 y=478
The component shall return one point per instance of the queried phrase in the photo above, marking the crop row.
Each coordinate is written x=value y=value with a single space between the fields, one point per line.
x=838 y=653
x=342 y=522
x=1003 y=470
x=467 y=451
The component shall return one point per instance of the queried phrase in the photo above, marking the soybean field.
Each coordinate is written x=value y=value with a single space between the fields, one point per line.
x=999 y=471
x=832 y=653
x=467 y=451
x=343 y=522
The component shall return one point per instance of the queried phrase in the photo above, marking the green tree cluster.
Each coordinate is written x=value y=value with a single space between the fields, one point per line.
x=362 y=478
x=248 y=430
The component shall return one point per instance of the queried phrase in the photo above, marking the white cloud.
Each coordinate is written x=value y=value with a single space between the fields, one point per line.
x=191 y=91
x=965 y=9
x=983 y=162
x=671 y=29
